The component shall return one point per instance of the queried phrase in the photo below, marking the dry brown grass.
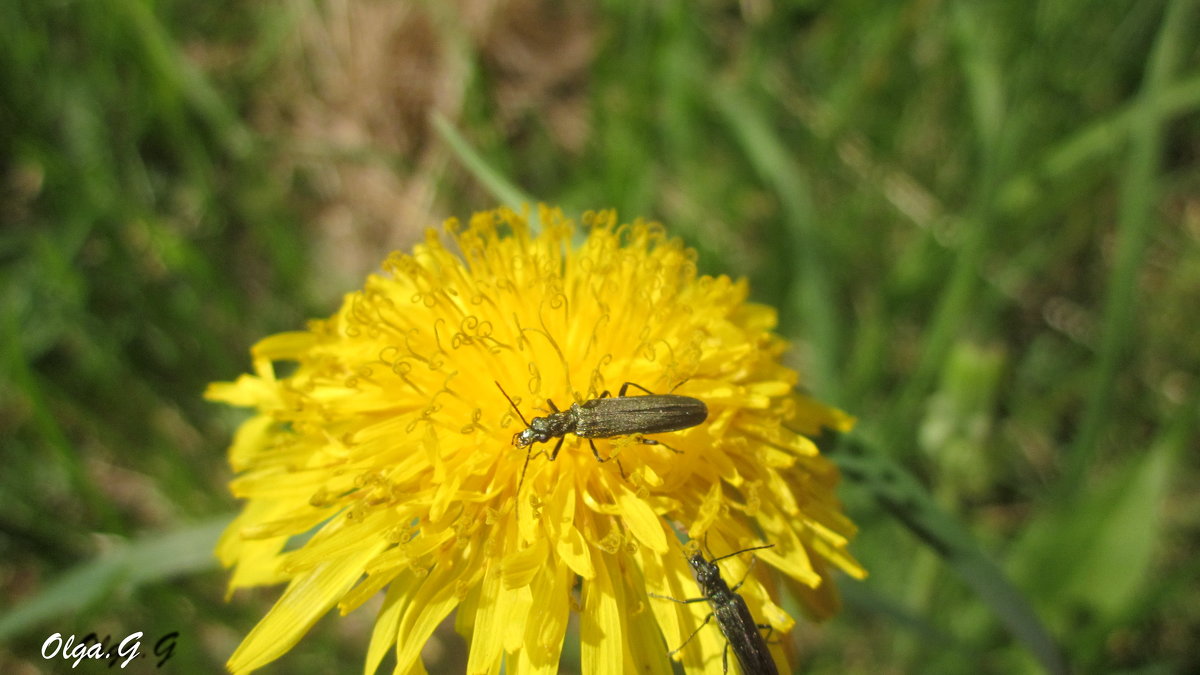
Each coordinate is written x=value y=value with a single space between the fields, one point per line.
x=355 y=89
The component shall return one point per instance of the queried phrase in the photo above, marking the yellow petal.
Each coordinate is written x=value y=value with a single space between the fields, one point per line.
x=601 y=640
x=546 y=627
x=575 y=552
x=437 y=595
x=491 y=618
x=306 y=599
x=284 y=346
x=641 y=520
x=383 y=636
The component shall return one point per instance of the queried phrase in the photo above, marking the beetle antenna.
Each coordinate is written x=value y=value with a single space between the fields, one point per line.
x=528 y=451
x=752 y=548
x=510 y=401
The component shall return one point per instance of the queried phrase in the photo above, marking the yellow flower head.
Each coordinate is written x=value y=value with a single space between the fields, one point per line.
x=385 y=459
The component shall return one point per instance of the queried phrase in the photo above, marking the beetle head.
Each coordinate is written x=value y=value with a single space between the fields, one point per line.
x=706 y=572
x=536 y=432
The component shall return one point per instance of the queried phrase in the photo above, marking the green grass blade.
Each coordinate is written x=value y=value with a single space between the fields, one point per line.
x=1139 y=197
x=504 y=190
x=149 y=560
x=899 y=493
x=811 y=286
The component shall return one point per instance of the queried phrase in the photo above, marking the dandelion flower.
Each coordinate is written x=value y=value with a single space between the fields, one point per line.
x=384 y=461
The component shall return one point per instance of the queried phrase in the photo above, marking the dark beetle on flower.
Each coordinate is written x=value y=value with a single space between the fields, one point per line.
x=733 y=617
x=607 y=417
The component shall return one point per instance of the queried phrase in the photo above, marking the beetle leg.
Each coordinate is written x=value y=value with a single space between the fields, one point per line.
x=552 y=406
x=625 y=387
x=598 y=459
x=681 y=383
x=650 y=441
x=682 y=602
x=698 y=629
x=596 y=452
x=557 y=447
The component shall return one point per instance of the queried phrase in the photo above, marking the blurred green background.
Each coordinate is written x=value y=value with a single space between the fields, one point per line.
x=980 y=222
